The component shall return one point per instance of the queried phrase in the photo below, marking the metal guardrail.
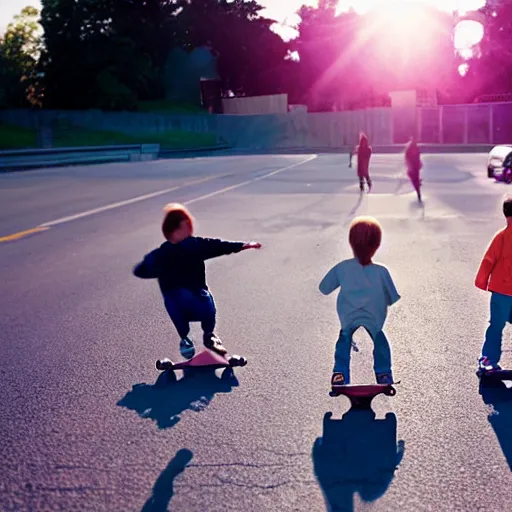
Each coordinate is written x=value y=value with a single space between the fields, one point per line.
x=34 y=158
x=203 y=151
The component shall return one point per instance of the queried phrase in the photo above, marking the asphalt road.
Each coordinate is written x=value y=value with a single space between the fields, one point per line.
x=84 y=428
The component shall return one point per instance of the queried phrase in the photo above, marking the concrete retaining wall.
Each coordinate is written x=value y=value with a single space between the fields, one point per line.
x=289 y=130
x=458 y=124
x=270 y=104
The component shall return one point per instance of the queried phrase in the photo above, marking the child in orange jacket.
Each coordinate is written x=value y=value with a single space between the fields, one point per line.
x=495 y=275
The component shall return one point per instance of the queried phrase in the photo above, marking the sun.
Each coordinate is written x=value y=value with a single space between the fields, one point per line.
x=364 y=6
x=468 y=33
x=401 y=24
x=400 y=15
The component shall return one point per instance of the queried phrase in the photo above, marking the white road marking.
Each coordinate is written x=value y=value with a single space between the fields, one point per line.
x=151 y=195
x=111 y=206
x=238 y=185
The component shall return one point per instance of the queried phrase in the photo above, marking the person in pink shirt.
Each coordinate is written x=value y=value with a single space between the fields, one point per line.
x=414 y=165
x=495 y=275
x=364 y=153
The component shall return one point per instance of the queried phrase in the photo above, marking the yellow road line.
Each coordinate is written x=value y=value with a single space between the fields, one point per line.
x=48 y=225
x=21 y=234
x=151 y=195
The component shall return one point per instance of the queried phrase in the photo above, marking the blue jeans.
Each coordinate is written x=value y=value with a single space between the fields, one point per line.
x=501 y=313
x=381 y=354
x=185 y=306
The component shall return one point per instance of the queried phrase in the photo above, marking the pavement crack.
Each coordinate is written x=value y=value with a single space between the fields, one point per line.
x=64 y=467
x=78 y=489
x=246 y=485
x=240 y=464
x=285 y=454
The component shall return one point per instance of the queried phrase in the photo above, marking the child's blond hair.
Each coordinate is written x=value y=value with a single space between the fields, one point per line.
x=174 y=215
x=365 y=237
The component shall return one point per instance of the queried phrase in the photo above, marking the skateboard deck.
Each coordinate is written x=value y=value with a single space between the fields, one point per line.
x=361 y=396
x=494 y=375
x=205 y=359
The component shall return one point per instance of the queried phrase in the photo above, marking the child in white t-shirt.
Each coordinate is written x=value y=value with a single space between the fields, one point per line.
x=366 y=292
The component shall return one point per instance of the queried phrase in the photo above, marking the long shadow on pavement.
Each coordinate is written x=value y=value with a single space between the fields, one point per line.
x=163 y=490
x=500 y=418
x=357 y=453
x=164 y=401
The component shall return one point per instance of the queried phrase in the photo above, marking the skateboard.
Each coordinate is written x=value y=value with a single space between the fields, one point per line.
x=491 y=376
x=361 y=396
x=205 y=359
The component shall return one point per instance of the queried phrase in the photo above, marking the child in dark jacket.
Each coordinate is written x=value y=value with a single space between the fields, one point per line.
x=178 y=264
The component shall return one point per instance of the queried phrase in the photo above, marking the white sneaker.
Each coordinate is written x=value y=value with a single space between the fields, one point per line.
x=187 y=348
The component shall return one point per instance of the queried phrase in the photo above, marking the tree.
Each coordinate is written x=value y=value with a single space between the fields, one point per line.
x=105 y=53
x=329 y=50
x=490 y=70
x=347 y=59
x=251 y=57
x=75 y=37
x=113 y=53
x=19 y=51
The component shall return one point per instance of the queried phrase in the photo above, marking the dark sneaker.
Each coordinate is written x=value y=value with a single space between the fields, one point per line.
x=337 y=379
x=214 y=343
x=384 y=378
x=187 y=348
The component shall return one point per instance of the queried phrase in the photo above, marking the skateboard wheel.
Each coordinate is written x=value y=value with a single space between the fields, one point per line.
x=164 y=364
x=391 y=392
x=237 y=361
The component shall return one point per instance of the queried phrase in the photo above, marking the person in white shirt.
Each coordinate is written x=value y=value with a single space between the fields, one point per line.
x=366 y=292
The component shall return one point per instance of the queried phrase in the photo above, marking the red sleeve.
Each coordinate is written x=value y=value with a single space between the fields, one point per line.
x=488 y=262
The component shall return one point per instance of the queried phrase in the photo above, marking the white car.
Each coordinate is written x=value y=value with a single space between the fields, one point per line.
x=499 y=157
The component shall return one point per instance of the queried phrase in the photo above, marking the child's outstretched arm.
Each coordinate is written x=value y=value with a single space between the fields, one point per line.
x=149 y=267
x=487 y=264
x=214 y=247
x=330 y=282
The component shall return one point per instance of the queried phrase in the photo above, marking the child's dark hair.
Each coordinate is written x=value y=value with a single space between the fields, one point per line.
x=174 y=215
x=365 y=236
x=507 y=207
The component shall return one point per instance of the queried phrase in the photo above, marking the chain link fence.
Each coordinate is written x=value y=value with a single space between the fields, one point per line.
x=489 y=123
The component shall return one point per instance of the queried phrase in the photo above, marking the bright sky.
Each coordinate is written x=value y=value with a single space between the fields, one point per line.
x=282 y=11
x=9 y=8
